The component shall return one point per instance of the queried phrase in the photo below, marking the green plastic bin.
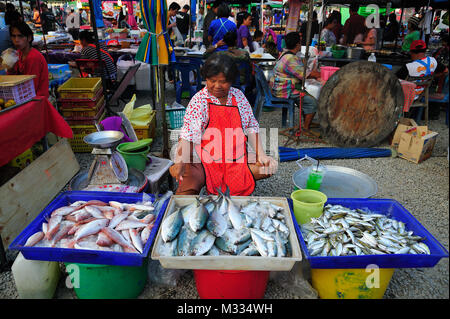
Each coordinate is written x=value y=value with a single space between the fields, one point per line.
x=106 y=281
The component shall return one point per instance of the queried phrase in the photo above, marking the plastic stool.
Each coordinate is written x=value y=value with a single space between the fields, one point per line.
x=156 y=171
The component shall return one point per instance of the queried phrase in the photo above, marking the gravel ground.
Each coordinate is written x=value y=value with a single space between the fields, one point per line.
x=422 y=189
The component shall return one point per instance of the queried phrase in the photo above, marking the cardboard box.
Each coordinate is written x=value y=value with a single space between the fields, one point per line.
x=403 y=125
x=417 y=144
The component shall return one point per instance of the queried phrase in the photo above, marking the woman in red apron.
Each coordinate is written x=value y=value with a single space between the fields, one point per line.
x=218 y=124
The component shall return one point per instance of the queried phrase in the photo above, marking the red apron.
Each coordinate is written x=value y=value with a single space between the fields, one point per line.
x=223 y=152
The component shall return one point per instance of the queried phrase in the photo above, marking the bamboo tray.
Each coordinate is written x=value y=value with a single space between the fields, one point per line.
x=230 y=262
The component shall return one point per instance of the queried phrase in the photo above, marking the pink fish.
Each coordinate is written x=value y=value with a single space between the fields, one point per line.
x=65 y=210
x=93 y=202
x=136 y=240
x=126 y=235
x=53 y=226
x=127 y=224
x=118 y=238
x=117 y=219
x=34 y=239
x=116 y=205
x=104 y=240
x=95 y=212
x=44 y=228
x=90 y=228
x=83 y=215
x=145 y=234
x=61 y=234
x=109 y=214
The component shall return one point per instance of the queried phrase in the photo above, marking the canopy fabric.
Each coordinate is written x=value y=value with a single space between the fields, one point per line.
x=154 y=48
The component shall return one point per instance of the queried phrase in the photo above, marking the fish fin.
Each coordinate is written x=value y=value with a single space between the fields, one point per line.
x=227 y=192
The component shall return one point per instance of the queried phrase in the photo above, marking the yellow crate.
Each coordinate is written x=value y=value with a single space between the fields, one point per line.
x=80 y=88
x=146 y=131
x=22 y=160
x=79 y=132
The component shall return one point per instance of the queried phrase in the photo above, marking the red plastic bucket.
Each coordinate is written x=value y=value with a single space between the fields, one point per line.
x=231 y=284
x=327 y=71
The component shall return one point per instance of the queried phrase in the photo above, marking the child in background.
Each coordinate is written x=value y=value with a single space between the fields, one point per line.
x=257 y=38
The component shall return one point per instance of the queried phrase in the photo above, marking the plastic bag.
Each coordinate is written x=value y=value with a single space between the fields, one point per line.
x=137 y=116
x=9 y=58
x=295 y=281
x=160 y=276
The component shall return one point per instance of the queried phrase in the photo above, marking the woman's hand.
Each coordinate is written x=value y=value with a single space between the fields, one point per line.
x=177 y=170
x=269 y=164
x=220 y=43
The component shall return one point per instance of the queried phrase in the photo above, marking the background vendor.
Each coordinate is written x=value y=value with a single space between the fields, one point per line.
x=207 y=152
x=31 y=61
x=89 y=51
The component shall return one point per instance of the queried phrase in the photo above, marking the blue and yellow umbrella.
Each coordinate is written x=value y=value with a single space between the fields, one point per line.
x=154 y=48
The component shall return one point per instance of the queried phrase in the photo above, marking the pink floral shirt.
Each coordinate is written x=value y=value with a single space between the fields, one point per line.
x=196 y=117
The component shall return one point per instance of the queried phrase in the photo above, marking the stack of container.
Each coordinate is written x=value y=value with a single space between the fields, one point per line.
x=82 y=104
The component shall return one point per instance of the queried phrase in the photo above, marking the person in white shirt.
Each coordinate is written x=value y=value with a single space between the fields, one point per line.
x=73 y=24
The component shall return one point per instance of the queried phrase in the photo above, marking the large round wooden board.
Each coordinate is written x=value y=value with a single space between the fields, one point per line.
x=360 y=104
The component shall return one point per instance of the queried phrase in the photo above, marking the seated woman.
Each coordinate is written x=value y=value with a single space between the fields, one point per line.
x=31 y=61
x=287 y=77
x=218 y=124
x=89 y=51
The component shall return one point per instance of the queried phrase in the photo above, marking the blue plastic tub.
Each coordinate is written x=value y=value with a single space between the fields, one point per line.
x=79 y=255
x=392 y=209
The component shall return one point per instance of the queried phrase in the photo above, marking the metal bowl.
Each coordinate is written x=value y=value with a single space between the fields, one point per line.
x=104 y=139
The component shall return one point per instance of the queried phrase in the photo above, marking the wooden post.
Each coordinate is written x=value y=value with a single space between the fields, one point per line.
x=308 y=41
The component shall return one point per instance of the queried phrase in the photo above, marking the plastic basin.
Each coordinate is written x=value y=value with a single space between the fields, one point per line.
x=231 y=284
x=393 y=210
x=107 y=282
x=308 y=203
x=327 y=71
x=351 y=283
x=136 y=159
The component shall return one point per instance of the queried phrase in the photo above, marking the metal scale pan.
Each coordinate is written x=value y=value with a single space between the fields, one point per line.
x=340 y=182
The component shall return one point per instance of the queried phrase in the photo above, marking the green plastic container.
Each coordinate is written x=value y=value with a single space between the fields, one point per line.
x=338 y=54
x=108 y=282
x=308 y=203
x=136 y=159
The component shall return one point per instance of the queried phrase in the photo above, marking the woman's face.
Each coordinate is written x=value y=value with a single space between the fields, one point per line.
x=248 y=21
x=19 y=40
x=218 y=85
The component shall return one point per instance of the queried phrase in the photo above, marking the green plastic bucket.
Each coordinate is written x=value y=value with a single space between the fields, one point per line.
x=107 y=282
x=307 y=203
x=135 y=159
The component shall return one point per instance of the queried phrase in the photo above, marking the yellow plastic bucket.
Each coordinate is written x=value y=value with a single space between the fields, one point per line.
x=307 y=203
x=351 y=283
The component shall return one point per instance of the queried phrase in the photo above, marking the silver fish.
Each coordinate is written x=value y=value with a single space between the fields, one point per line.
x=171 y=226
x=136 y=240
x=168 y=248
x=260 y=244
x=214 y=251
x=128 y=224
x=202 y=243
x=198 y=217
x=216 y=224
x=185 y=238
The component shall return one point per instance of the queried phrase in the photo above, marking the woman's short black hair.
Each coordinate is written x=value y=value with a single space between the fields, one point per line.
x=291 y=40
x=220 y=63
x=329 y=21
x=230 y=38
x=87 y=35
x=223 y=11
x=174 y=6
x=23 y=28
x=257 y=34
